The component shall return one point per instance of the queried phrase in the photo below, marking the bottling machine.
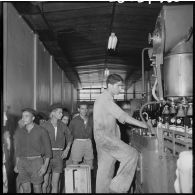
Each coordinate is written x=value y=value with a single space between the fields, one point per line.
x=171 y=111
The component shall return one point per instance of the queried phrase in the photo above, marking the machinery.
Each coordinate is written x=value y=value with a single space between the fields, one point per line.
x=170 y=113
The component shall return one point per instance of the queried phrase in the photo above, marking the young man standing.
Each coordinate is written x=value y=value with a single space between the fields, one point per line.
x=108 y=143
x=6 y=150
x=65 y=118
x=31 y=143
x=59 y=134
x=81 y=128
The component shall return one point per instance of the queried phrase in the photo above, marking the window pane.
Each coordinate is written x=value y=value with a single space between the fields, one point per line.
x=90 y=94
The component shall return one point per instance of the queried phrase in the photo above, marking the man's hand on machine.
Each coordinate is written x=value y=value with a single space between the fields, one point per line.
x=152 y=129
x=148 y=126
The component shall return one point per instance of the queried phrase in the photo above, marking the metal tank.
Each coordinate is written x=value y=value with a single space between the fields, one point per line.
x=177 y=68
x=173 y=38
x=171 y=26
x=178 y=73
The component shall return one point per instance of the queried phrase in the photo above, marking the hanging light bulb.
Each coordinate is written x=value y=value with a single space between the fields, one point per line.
x=106 y=72
x=112 y=41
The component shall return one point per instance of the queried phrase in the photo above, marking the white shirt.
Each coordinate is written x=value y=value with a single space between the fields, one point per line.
x=55 y=132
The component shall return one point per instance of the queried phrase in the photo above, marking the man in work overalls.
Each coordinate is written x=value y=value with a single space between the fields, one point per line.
x=108 y=143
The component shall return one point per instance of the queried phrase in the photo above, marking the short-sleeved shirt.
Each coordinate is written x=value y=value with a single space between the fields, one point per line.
x=79 y=130
x=33 y=143
x=63 y=134
x=105 y=113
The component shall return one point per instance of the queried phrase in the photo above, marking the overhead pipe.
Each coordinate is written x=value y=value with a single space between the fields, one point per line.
x=143 y=78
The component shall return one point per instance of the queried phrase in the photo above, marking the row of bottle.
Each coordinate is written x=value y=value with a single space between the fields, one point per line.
x=170 y=116
x=180 y=120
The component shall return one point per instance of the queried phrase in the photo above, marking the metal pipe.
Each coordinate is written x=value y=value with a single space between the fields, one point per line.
x=148 y=90
x=148 y=103
x=143 y=82
x=153 y=90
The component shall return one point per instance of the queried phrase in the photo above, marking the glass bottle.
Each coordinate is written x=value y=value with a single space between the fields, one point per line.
x=165 y=117
x=154 y=115
x=172 y=119
x=180 y=119
x=159 y=115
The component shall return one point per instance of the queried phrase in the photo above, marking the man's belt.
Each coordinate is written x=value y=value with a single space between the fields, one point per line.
x=55 y=149
x=32 y=157
x=83 y=139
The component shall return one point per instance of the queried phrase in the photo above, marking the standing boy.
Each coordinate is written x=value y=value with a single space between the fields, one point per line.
x=81 y=128
x=58 y=133
x=31 y=143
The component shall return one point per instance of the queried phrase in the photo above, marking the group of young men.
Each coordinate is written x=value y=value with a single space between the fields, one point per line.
x=40 y=149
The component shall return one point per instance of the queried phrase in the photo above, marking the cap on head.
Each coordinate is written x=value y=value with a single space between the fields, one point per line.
x=32 y=111
x=54 y=107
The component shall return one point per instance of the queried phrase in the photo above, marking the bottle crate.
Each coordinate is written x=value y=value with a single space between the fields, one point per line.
x=175 y=141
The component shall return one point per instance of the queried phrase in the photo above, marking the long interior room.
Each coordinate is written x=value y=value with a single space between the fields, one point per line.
x=97 y=96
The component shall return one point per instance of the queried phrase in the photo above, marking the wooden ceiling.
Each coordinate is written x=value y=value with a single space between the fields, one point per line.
x=76 y=34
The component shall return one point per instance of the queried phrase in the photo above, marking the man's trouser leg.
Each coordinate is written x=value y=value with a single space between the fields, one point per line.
x=88 y=153
x=126 y=155
x=105 y=171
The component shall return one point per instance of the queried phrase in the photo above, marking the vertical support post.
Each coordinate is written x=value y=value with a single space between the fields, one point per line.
x=5 y=52
x=125 y=92
x=62 y=88
x=72 y=100
x=51 y=79
x=35 y=72
x=78 y=94
x=134 y=91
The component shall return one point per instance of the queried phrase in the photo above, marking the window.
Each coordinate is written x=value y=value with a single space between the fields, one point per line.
x=90 y=94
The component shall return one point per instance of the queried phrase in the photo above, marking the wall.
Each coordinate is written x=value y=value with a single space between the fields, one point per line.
x=43 y=78
x=135 y=90
x=32 y=78
x=74 y=99
x=67 y=93
x=19 y=68
x=57 y=82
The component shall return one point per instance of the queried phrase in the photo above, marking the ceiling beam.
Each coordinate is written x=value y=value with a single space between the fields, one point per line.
x=73 y=75
x=54 y=7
